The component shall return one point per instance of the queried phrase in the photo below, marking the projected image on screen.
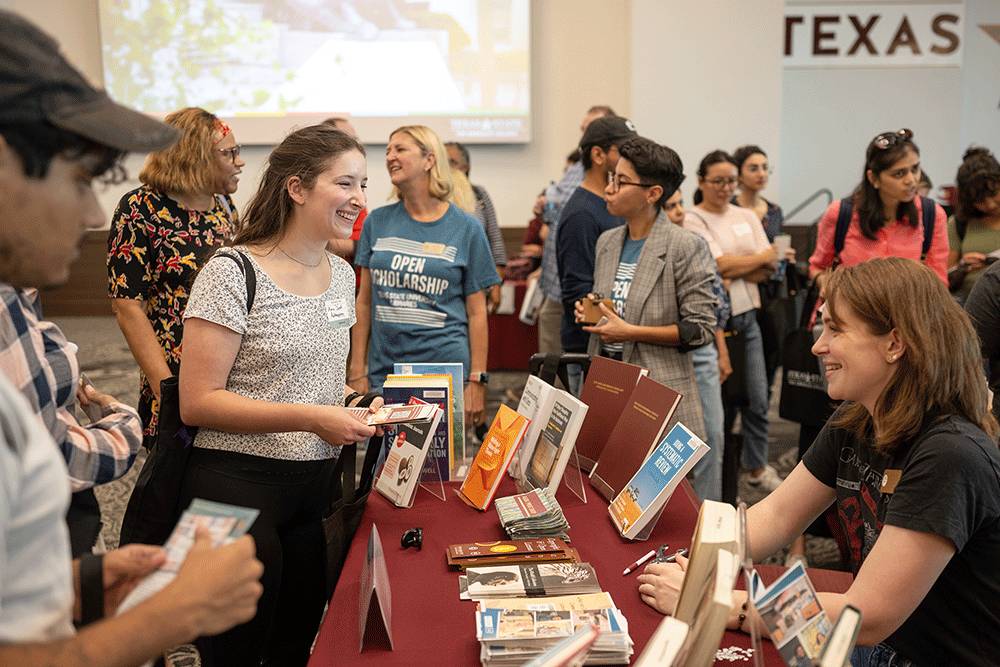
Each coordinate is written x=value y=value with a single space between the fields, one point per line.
x=460 y=66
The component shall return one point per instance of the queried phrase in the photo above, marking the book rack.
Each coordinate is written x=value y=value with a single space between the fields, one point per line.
x=572 y=479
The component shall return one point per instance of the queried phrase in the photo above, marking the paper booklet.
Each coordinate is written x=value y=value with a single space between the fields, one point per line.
x=533 y=299
x=503 y=581
x=634 y=511
x=398 y=413
x=570 y=651
x=580 y=602
x=837 y=651
x=607 y=389
x=556 y=441
x=436 y=390
x=510 y=552
x=460 y=455
x=536 y=400
x=495 y=454
x=407 y=447
x=717 y=529
x=792 y=614
x=664 y=647
x=713 y=604
x=224 y=522
x=513 y=625
x=638 y=430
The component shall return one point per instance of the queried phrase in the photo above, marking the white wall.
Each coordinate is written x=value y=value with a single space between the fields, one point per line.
x=568 y=76
x=706 y=74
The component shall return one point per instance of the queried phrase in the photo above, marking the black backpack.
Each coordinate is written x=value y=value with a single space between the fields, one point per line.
x=928 y=208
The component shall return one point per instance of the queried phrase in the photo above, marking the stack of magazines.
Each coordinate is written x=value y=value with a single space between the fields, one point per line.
x=515 y=631
x=532 y=515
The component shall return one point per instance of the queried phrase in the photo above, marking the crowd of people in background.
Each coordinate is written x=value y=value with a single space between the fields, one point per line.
x=340 y=293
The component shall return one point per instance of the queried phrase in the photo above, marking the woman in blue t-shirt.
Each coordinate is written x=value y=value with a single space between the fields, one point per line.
x=911 y=464
x=424 y=265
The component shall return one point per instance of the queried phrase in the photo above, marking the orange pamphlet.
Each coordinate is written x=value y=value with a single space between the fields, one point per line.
x=486 y=472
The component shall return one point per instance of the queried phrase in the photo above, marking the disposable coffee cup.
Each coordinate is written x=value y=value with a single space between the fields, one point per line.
x=782 y=242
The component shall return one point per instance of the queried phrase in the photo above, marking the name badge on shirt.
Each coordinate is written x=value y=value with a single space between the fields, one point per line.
x=890 y=479
x=338 y=313
x=434 y=248
x=741 y=229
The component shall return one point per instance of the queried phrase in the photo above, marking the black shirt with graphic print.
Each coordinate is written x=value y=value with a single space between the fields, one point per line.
x=949 y=486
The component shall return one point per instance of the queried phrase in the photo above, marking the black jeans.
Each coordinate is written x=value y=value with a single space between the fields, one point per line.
x=292 y=497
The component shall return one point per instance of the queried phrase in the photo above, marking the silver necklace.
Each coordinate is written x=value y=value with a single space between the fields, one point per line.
x=299 y=261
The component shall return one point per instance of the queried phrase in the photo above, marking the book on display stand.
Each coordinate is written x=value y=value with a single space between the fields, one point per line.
x=555 y=452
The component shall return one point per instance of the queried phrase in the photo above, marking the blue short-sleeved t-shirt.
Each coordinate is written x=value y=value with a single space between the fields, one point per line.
x=421 y=274
x=631 y=250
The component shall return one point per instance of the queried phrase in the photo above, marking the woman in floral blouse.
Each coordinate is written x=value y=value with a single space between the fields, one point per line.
x=161 y=234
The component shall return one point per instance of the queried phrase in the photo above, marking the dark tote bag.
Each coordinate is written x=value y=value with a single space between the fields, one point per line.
x=734 y=389
x=152 y=510
x=348 y=501
x=803 y=388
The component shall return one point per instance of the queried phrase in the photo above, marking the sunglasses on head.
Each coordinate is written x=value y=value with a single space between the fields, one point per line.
x=889 y=139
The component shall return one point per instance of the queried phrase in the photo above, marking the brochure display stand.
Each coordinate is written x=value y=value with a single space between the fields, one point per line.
x=572 y=479
x=430 y=480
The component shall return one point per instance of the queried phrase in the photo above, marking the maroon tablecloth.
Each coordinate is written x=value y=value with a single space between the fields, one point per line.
x=430 y=625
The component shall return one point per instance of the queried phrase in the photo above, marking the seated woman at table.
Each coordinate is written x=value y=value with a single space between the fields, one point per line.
x=265 y=384
x=425 y=264
x=912 y=463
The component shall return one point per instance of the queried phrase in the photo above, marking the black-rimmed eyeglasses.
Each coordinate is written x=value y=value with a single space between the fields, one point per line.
x=615 y=182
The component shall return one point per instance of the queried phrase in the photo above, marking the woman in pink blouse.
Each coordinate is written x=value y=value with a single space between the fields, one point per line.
x=886 y=216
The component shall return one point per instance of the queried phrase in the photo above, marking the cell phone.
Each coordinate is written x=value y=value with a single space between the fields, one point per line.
x=591 y=309
x=92 y=410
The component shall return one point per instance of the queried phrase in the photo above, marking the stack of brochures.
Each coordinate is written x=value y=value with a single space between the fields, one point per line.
x=534 y=514
x=514 y=631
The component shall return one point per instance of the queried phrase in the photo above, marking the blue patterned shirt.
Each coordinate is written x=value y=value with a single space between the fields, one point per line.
x=38 y=360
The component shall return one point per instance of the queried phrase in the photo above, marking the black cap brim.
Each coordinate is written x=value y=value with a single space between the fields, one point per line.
x=111 y=124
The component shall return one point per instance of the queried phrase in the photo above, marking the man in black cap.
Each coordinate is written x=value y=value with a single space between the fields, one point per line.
x=584 y=218
x=57 y=134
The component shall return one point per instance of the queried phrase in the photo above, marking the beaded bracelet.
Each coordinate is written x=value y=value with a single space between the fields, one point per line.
x=742 y=616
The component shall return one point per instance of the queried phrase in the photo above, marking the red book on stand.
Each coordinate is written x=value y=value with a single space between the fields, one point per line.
x=606 y=392
x=638 y=430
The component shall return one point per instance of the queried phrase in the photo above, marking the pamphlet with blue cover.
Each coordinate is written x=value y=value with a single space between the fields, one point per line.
x=456 y=416
x=436 y=390
x=636 y=508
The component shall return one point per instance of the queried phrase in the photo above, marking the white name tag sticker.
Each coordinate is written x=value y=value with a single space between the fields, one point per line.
x=741 y=229
x=338 y=312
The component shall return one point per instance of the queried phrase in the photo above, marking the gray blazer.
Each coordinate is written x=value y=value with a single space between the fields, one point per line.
x=672 y=285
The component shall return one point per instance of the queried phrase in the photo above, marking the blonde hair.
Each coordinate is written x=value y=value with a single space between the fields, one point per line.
x=440 y=179
x=462 y=194
x=188 y=165
x=941 y=371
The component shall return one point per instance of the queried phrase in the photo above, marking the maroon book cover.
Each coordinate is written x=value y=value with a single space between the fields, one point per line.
x=606 y=391
x=638 y=430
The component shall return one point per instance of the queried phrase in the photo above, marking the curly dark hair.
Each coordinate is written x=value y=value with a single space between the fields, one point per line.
x=37 y=143
x=978 y=179
x=654 y=164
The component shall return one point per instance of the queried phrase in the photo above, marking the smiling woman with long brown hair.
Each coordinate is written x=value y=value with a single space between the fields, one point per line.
x=911 y=464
